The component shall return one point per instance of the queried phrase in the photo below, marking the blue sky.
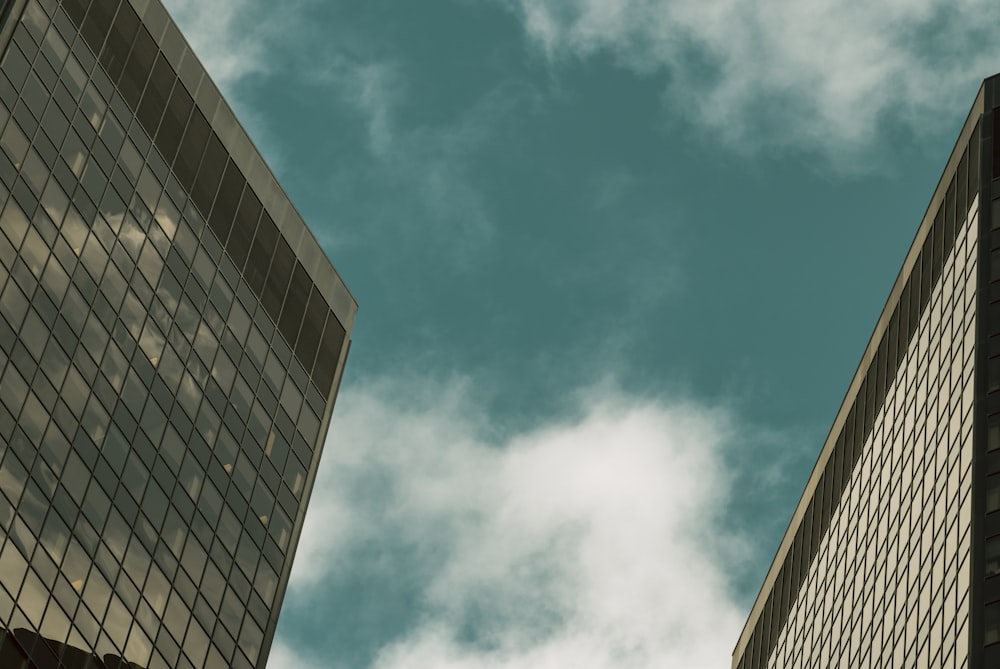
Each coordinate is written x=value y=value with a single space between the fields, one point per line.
x=616 y=261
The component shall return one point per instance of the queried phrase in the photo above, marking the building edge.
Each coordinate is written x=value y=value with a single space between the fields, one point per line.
x=244 y=152
x=291 y=225
x=972 y=120
x=9 y=8
x=299 y=520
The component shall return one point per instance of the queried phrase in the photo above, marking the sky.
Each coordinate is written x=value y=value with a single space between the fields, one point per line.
x=616 y=261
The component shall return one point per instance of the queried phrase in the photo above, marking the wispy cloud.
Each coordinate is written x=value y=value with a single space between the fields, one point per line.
x=592 y=541
x=821 y=74
x=424 y=170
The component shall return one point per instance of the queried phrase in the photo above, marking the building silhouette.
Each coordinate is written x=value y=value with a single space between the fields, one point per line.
x=171 y=343
x=892 y=555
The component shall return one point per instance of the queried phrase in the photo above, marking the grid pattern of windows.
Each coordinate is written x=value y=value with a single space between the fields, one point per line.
x=156 y=426
x=889 y=586
x=889 y=360
x=199 y=160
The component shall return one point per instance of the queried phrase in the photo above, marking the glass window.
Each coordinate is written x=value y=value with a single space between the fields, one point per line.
x=210 y=173
x=92 y=107
x=329 y=354
x=993 y=493
x=73 y=230
x=250 y=639
x=137 y=66
x=94 y=257
x=294 y=306
x=278 y=277
x=15 y=223
x=15 y=65
x=12 y=477
x=35 y=20
x=177 y=615
x=175 y=119
x=34 y=171
x=73 y=77
x=295 y=476
x=34 y=418
x=139 y=648
x=168 y=217
x=13 y=305
x=312 y=328
x=154 y=99
x=112 y=134
x=150 y=264
x=34 y=95
x=308 y=426
x=991 y=624
x=231 y=612
x=172 y=449
x=227 y=201
x=992 y=567
x=196 y=644
x=15 y=144
x=192 y=146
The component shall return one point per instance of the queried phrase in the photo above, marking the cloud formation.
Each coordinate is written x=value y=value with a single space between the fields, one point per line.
x=428 y=167
x=821 y=74
x=590 y=542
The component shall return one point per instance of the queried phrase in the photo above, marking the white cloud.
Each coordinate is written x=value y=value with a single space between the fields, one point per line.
x=591 y=542
x=820 y=73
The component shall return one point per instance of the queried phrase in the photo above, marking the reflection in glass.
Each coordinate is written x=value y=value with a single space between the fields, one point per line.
x=140 y=352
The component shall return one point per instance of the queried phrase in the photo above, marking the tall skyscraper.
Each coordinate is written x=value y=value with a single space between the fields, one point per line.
x=892 y=556
x=171 y=343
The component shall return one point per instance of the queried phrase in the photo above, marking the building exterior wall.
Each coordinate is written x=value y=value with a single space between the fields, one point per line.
x=882 y=562
x=889 y=585
x=171 y=343
x=986 y=580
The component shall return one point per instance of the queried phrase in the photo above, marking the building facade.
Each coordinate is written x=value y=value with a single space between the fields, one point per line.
x=171 y=343
x=892 y=556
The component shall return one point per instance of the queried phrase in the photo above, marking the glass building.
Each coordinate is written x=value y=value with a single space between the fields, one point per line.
x=892 y=555
x=171 y=343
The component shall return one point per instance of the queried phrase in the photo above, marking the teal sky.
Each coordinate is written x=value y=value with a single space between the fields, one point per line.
x=616 y=263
